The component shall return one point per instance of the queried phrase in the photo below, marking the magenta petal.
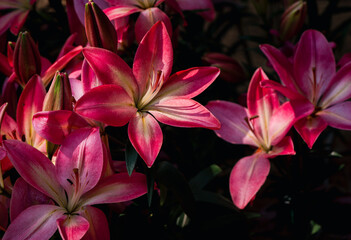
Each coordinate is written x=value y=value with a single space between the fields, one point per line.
x=286 y=91
x=145 y=134
x=36 y=222
x=284 y=147
x=56 y=125
x=109 y=104
x=314 y=64
x=119 y=187
x=247 y=177
x=72 y=227
x=310 y=128
x=80 y=160
x=188 y=83
x=98 y=225
x=115 y=12
x=234 y=126
x=148 y=18
x=24 y=196
x=154 y=55
x=35 y=168
x=180 y=112
x=111 y=69
x=338 y=116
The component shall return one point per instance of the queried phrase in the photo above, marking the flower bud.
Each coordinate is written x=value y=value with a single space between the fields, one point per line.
x=26 y=58
x=292 y=20
x=99 y=29
x=59 y=96
x=231 y=70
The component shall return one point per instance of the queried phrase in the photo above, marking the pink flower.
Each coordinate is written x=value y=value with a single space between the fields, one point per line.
x=146 y=93
x=313 y=79
x=73 y=183
x=263 y=124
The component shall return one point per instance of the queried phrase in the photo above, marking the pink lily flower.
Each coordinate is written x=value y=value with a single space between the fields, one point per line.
x=313 y=79
x=146 y=94
x=17 y=15
x=263 y=124
x=73 y=183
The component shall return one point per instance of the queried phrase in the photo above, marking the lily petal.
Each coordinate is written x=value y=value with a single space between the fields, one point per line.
x=188 y=83
x=98 y=225
x=56 y=125
x=284 y=147
x=310 y=128
x=145 y=134
x=154 y=54
x=247 y=177
x=35 y=168
x=72 y=227
x=36 y=222
x=234 y=126
x=338 y=116
x=109 y=104
x=111 y=69
x=115 y=12
x=119 y=187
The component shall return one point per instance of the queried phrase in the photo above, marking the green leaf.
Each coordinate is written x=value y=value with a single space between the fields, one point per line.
x=131 y=157
x=204 y=177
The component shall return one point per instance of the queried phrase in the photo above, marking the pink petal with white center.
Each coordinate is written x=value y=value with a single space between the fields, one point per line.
x=109 y=104
x=284 y=147
x=337 y=116
x=310 y=128
x=72 y=227
x=111 y=69
x=76 y=88
x=36 y=222
x=339 y=88
x=79 y=161
x=115 y=12
x=119 y=187
x=98 y=225
x=154 y=55
x=234 y=123
x=56 y=125
x=281 y=65
x=247 y=177
x=188 y=83
x=180 y=112
x=314 y=64
x=286 y=91
x=35 y=168
x=29 y=103
x=59 y=64
x=148 y=18
x=24 y=196
x=146 y=136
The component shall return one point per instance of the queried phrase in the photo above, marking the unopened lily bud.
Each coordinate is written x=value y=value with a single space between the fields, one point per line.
x=26 y=58
x=292 y=20
x=99 y=29
x=231 y=70
x=59 y=96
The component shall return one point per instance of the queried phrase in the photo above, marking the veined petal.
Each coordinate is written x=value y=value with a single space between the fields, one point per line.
x=339 y=88
x=314 y=64
x=18 y=22
x=247 y=177
x=36 y=222
x=284 y=147
x=98 y=225
x=111 y=69
x=180 y=112
x=154 y=54
x=286 y=91
x=72 y=227
x=234 y=122
x=147 y=19
x=188 y=83
x=56 y=125
x=79 y=161
x=337 y=116
x=119 y=187
x=30 y=102
x=109 y=104
x=35 y=168
x=145 y=134
x=120 y=11
x=310 y=128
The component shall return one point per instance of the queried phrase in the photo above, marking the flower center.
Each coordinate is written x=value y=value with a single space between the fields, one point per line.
x=262 y=144
x=154 y=85
x=145 y=4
